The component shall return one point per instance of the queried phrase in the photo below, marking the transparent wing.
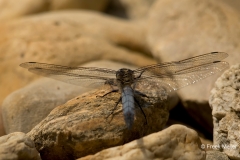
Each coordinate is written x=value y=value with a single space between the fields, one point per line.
x=82 y=76
x=175 y=75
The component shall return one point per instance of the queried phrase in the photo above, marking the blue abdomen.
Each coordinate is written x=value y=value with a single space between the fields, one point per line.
x=128 y=105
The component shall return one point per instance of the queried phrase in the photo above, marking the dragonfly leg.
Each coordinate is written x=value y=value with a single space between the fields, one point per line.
x=115 y=107
x=141 y=109
x=113 y=90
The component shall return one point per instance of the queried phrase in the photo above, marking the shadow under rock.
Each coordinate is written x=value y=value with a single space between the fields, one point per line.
x=180 y=115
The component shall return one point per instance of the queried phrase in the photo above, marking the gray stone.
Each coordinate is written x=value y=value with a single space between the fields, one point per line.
x=225 y=103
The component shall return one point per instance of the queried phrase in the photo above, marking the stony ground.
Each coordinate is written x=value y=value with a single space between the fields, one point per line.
x=46 y=119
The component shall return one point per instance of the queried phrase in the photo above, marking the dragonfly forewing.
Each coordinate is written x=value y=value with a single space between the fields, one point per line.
x=91 y=77
x=172 y=76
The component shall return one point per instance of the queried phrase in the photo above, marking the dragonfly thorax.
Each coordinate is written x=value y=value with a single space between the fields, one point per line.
x=125 y=76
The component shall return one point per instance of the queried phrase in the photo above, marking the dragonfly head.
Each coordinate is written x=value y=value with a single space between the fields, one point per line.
x=125 y=76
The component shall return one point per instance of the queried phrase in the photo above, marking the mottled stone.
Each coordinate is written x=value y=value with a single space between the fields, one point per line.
x=17 y=146
x=175 y=142
x=225 y=103
x=81 y=127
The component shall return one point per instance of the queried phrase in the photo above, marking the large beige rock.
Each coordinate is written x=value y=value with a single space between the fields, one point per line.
x=225 y=103
x=17 y=146
x=10 y=9
x=197 y=27
x=81 y=127
x=67 y=38
x=175 y=142
x=183 y=29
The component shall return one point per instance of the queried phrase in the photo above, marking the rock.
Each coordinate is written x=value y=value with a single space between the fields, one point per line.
x=175 y=142
x=68 y=38
x=175 y=33
x=17 y=146
x=81 y=127
x=10 y=9
x=225 y=104
x=216 y=155
x=26 y=107
x=184 y=35
x=135 y=9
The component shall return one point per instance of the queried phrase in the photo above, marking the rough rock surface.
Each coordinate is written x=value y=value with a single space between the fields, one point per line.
x=68 y=38
x=17 y=146
x=216 y=155
x=175 y=142
x=80 y=126
x=225 y=103
x=195 y=28
x=10 y=9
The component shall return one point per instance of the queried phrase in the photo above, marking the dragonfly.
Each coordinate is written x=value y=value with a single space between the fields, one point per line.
x=162 y=77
